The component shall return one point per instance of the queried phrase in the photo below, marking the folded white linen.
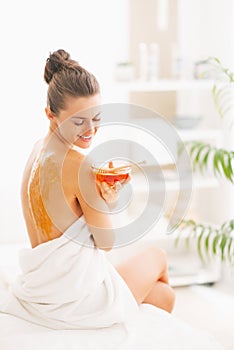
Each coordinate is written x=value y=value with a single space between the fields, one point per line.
x=65 y=285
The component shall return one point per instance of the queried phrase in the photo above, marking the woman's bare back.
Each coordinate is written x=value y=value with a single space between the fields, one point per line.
x=48 y=192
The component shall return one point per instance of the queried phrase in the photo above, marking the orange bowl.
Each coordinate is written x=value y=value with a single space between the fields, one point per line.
x=110 y=175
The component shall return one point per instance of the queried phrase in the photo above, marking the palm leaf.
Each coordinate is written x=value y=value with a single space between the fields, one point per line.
x=230 y=257
x=204 y=161
x=225 y=166
x=183 y=226
x=211 y=241
x=221 y=159
x=200 y=149
x=215 y=244
x=223 y=246
x=221 y=91
x=207 y=241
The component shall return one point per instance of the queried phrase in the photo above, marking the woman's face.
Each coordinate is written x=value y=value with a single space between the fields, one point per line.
x=79 y=123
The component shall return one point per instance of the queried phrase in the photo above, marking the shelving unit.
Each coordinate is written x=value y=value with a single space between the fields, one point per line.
x=170 y=98
x=174 y=185
x=176 y=86
x=200 y=134
x=201 y=185
x=165 y=85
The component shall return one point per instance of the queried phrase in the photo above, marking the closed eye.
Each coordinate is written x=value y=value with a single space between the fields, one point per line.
x=96 y=119
x=79 y=122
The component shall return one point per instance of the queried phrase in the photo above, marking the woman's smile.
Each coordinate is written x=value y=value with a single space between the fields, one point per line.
x=85 y=138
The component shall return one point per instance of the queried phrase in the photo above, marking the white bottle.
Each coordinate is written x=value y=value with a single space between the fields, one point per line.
x=143 y=61
x=153 y=63
x=177 y=63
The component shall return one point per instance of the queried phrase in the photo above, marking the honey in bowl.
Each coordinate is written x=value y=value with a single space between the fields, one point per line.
x=112 y=174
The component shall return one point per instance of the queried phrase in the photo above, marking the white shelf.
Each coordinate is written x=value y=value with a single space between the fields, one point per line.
x=198 y=183
x=206 y=183
x=199 y=134
x=174 y=185
x=165 y=85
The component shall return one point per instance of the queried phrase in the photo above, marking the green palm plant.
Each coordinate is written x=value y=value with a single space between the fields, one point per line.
x=213 y=241
x=222 y=88
x=203 y=154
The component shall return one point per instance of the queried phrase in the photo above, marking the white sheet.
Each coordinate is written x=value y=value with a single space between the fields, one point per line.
x=159 y=331
x=70 y=296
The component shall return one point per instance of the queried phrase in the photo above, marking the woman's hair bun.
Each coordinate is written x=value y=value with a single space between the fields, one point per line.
x=67 y=78
x=55 y=62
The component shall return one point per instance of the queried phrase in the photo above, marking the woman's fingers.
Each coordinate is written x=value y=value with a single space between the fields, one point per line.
x=105 y=187
x=98 y=184
x=108 y=193
x=117 y=186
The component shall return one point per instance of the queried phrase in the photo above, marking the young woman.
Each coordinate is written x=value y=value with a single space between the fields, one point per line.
x=51 y=193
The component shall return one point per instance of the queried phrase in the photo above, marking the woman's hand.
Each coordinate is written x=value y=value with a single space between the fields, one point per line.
x=107 y=192
x=110 y=193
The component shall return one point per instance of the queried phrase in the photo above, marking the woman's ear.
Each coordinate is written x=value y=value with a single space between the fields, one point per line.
x=50 y=115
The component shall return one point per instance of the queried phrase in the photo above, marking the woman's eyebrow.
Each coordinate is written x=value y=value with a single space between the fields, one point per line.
x=79 y=117
x=98 y=114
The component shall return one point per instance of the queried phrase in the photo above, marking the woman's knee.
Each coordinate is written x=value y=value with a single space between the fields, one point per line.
x=161 y=295
x=167 y=296
x=143 y=270
x=170 y=299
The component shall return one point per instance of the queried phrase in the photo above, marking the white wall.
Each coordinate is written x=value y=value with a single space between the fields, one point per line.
x=205 y=29
x=94 y=32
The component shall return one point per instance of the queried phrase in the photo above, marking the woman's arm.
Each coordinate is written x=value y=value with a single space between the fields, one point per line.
x=95 y=208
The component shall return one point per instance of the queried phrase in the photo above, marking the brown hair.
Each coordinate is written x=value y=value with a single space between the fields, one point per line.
x=66 y=78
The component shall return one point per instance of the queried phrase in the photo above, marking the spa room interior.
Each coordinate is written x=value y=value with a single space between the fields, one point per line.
x=166 y=70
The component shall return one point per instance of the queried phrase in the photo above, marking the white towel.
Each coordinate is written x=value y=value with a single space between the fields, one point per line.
x=66 y=285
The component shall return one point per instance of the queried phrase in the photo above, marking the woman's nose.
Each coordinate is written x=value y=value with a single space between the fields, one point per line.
x=90 y=126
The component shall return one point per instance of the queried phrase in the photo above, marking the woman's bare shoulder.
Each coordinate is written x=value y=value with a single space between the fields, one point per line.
x=75 y=155
x=74 y=160
x=35 y=150
x=31 y=158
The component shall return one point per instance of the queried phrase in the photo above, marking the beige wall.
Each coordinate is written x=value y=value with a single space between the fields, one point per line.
x=162 y=103
x=144 y=28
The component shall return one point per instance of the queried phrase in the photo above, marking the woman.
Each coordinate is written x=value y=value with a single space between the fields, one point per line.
x=52 y=199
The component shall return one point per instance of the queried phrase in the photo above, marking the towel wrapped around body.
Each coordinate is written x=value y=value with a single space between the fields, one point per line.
x=68 y=285
x=65 y=285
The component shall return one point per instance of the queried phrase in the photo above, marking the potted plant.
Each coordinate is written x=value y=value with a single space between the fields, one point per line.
x=212 y=241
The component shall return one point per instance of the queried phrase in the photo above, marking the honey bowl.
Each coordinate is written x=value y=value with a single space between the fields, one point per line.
x=111 y=174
